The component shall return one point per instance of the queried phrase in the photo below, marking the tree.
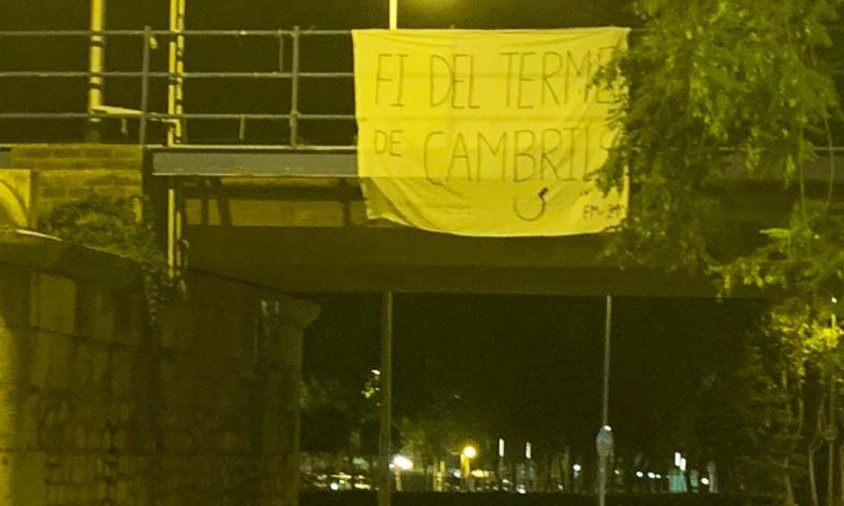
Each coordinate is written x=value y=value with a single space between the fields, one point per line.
x=750 y=417
x=720 y=84
x=326 y=417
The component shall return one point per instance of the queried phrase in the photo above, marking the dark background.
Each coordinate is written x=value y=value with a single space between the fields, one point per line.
x=529 y=367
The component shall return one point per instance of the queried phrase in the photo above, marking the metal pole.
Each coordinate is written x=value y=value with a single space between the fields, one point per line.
x=176 y=69
x=605 y=405
x=294 y=90
x=142 y=129
x=96 y=65
x=384 y=492
x=394 y=14
x=605 y=402
x=833 y=323
x=386 y=379
x=830 y=480
x=171 y=228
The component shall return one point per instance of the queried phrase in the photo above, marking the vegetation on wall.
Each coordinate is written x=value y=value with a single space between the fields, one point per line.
x=118 y=226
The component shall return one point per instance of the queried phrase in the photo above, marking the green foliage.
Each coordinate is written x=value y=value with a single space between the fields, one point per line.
x=713 y=82
x=327 y=416
x=438 y=432
x=118 y=226
x=806 y=262
x=719 y=88
x=752 y=418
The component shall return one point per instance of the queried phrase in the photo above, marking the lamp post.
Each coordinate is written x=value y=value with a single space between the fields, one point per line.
x=604 y=445
x=386 y=414
x=469 y=452
x=384 y=492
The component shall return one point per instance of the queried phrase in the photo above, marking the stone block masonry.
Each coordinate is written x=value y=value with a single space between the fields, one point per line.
x=62 y=173
x=97 y=410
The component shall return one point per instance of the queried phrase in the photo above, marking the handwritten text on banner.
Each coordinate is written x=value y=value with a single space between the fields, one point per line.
x=486 y=133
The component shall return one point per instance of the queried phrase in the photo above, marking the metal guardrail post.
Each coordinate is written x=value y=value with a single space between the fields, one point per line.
x=97 y=112
x=145 y=63
x=294 y=91
x=176 y=68
x=96 y=65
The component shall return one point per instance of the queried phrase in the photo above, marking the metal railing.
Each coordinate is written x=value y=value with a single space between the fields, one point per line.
x=24 y=107
x=23 y=118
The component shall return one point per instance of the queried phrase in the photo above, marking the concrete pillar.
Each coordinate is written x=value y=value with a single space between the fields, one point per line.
x=295 y=316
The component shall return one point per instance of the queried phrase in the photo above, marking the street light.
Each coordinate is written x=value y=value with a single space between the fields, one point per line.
x=469 y=452
x=401 y=463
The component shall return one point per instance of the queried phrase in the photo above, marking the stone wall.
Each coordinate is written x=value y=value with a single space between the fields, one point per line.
x=63 y=173
x=96 y=410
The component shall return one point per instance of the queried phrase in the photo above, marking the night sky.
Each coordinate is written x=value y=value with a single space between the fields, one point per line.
x=530 y=366
x=236 y=54
x=526 y=365
x=333 y=14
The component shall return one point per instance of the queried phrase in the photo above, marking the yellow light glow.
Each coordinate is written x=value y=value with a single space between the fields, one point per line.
x=403 y=463
x=470 y=452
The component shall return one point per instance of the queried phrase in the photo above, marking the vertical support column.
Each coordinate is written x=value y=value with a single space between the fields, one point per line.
x=394 y=14
x=145 y=64
x=174 y=229
x=604 y=441
x=830 y=476
x=385 y=440
x=176 y=69
x=605 y=404
x=175 y=134
x=294 y=90
x=96 y=65
x=171 y=228
x=282 y=457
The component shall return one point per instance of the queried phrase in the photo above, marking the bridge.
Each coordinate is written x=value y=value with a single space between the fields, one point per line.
x=263 y=181
x=245 y=147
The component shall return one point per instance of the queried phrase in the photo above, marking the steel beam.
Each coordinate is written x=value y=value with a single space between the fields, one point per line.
x=253 y=162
